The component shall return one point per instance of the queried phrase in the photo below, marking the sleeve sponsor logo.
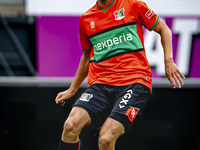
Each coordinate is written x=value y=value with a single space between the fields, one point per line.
x=149 y=14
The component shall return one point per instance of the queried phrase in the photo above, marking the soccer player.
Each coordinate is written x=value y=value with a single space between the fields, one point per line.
x=119 y=75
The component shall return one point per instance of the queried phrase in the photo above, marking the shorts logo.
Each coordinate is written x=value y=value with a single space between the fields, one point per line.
x=149 y=14
x=86 y=97
x=132 y=113
x=119 y=14
x=125 y=99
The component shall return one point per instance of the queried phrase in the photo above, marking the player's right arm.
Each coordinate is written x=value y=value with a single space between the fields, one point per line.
x=80 y=76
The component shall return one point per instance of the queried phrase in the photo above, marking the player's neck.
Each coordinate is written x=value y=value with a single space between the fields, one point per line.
x=103 y=3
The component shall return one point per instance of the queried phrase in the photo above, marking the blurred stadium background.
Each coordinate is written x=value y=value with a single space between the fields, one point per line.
x=39 y=55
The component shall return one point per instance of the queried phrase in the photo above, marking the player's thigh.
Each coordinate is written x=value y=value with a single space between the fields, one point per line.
x=78 y=118
x=111 y=130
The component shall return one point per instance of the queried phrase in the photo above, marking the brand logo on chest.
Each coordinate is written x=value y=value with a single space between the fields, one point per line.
x=92 y=25
x=119 y=14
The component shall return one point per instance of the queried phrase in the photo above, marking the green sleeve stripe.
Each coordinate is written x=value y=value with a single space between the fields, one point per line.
x=155 y=24
x=86 y=51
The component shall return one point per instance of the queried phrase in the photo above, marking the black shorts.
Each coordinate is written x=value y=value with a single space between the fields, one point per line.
x=121 y=103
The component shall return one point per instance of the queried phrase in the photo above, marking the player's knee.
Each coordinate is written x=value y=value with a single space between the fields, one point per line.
x=70 y=128
x=104 y=141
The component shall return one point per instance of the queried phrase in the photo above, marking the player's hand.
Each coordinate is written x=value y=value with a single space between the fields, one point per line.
x=63 y=96
x=173 y=73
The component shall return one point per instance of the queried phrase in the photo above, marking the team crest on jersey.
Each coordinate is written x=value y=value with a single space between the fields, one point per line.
x=119 y=14
x=86 y=97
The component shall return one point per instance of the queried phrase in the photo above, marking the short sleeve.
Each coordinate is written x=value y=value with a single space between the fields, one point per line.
x=144 y=15
x=86 y=45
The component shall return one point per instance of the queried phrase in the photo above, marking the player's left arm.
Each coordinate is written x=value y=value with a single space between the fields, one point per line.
x=171 y=70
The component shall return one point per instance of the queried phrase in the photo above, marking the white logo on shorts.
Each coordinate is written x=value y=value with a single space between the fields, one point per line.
x=125 y=99
x=86 y=97
x=133 y=113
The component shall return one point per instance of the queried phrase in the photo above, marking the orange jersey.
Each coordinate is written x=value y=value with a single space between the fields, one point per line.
x=114 y=38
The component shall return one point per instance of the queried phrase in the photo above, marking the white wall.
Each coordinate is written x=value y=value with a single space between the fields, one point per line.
x=175 y=7
x=58 y=7
x=78 y=7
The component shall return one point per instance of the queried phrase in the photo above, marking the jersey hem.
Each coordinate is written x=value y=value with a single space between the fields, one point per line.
x=141 y=81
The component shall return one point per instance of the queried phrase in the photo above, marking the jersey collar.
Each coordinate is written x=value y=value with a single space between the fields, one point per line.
x=104 y=9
